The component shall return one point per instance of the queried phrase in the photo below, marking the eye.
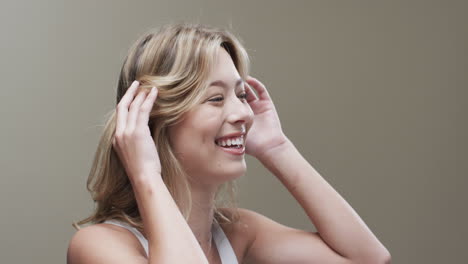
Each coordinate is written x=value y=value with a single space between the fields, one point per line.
x=216 y=99
x=243 y=96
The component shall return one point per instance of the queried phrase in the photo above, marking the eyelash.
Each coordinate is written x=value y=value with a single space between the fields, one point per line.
x=243 y=96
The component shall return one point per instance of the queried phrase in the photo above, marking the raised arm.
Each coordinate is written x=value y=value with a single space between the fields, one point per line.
x=342 y=235
x=169 y=237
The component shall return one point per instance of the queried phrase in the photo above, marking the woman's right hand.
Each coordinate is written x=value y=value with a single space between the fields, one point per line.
x=132 y=140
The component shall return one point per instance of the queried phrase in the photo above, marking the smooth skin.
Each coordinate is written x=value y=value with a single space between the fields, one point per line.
x=341 y=237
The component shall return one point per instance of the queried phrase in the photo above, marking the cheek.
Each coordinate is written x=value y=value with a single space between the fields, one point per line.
x=199 y=136
x=209 y=124
x=195 y=136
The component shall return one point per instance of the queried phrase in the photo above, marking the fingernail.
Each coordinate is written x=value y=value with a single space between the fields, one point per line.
x=136 y=82
x=153 y=89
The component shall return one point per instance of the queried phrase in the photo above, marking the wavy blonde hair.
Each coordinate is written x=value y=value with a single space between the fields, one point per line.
x=176 y=58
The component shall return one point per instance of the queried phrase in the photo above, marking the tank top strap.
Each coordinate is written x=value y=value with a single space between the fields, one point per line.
x=225 y=250
x=141 y=238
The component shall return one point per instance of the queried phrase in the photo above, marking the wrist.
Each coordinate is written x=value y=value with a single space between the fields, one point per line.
x=146 y=180
x=271 y=153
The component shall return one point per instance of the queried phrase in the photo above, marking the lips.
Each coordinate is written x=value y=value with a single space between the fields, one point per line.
x=236 y=151
x=231 y=135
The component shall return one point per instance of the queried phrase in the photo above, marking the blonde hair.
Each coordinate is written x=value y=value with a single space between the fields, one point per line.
x=176 y=58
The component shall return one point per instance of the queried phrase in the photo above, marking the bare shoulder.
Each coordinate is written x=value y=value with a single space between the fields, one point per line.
x=245 y=227
x=251 y=221
x=243 y=233
x=272 y=242
x=104 y=243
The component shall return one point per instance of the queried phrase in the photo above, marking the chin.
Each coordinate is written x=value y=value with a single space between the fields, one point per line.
x=230 y=175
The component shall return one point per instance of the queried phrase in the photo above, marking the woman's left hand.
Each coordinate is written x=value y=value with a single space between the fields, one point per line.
x=265 y=133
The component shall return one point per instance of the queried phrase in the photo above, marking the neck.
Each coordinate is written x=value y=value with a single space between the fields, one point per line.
x=202 y=214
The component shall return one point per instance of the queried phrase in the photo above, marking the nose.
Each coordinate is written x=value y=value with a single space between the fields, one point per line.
x=239 y=112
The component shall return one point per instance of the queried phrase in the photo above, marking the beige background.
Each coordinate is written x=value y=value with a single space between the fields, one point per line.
x=373 y=93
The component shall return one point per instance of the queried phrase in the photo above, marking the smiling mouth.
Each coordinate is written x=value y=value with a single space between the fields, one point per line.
x=229 y=146
x=233 y=148
x=235 y=142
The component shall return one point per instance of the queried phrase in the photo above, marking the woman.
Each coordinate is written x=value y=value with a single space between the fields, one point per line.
x=177 y=138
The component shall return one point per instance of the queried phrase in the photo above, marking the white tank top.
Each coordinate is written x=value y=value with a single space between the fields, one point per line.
x=225 y=250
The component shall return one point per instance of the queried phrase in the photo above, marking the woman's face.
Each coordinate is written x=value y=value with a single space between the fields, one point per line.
x=197 y=140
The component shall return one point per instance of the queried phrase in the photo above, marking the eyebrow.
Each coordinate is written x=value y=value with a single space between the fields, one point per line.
x=224 y=85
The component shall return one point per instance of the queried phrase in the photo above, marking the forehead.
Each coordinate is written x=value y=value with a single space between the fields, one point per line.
x=224 y=73
x=226 y=85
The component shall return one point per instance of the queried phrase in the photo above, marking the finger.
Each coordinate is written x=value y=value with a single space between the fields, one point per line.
x=251 y=96
x=134 y=110
x=146 y=107
x=122 y=108
x=129 y=95
x=259 y=87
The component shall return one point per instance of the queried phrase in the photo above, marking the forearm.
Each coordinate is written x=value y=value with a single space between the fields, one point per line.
x=169 y=236
x=336 y=221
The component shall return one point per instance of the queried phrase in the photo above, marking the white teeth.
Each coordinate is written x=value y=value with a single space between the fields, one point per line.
x=230 y=142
